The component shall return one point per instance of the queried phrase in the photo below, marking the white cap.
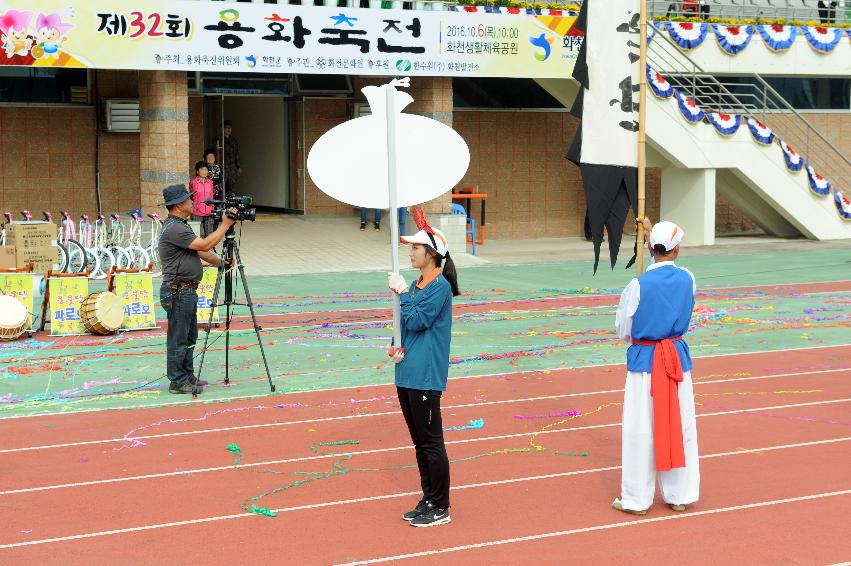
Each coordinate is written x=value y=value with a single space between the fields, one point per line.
x=436 y=241
x=666 y=233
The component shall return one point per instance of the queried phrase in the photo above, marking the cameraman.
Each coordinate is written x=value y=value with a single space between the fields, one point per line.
x=181 y=252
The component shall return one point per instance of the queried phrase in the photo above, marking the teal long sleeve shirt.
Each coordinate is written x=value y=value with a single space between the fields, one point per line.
x=426 y=334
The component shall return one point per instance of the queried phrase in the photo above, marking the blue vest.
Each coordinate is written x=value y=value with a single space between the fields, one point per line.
x=664 y=311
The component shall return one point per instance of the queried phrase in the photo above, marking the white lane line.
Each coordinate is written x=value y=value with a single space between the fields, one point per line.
x=392 y=496
x=385 y=413
x=679 y=516
x=389 y=449
x=160 y=405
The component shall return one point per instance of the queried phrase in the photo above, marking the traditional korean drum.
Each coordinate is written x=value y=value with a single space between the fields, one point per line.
x=102 y=313
x=13 y=318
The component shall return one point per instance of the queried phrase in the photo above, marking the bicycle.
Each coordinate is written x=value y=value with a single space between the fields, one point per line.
x=100 y=260
x=8 y=217
x=62 y=260
x=139 y=258
x=114 y=244
x=112 y=255
x=153 y=246
x=77 y=258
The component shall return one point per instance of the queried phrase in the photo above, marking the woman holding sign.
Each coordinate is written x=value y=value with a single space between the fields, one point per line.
x=422 y=364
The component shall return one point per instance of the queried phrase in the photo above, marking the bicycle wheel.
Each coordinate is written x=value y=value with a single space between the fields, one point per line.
x=77 y=259
x=106 y=261
x=93 y=261
x=122 y=258
x=62 y=263
x=155 y=259
x=139 y=258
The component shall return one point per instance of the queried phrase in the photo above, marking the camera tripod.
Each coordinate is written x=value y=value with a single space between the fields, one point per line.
x=230 y=259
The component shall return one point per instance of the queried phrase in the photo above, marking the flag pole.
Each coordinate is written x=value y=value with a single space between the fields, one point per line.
x=642 y=135
x=392 y=173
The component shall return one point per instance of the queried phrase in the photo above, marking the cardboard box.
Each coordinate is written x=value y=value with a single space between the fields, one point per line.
x=43 y=258
x=30 y=235
x=8 y=257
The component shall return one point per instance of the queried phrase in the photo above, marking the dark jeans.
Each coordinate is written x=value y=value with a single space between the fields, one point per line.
x=403 y=216
x=181 y=306
x=422 y=415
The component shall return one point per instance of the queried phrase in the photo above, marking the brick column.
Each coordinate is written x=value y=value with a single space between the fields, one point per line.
x=164 y=134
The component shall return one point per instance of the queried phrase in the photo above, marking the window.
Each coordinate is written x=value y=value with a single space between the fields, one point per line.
x=245 y=83
x=501 y=93
x=800 y=93
x=44 y=85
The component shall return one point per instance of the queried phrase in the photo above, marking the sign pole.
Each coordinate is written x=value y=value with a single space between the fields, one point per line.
x=394 y=209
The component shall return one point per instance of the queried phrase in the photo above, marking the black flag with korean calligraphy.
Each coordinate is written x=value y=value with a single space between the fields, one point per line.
x=606 y=143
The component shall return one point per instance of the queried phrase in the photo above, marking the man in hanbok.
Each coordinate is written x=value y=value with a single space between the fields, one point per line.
x=659 y=429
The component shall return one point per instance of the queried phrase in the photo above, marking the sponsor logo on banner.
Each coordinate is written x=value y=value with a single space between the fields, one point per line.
x=136 y=291
x=66 y=297
x=205 y=295
x=19 y=286
x=184 y=35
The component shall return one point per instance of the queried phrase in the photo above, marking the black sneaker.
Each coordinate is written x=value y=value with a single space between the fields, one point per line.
x=199 y=382
x=421 y=508
x=377 y=227
x=185 y=388
x=432 y=517
x=363 y=226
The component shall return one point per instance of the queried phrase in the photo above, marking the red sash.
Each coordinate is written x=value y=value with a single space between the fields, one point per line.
x=665 y=376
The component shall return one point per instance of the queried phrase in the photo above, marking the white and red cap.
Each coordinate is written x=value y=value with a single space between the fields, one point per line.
x=437 y=240
x=667 y=234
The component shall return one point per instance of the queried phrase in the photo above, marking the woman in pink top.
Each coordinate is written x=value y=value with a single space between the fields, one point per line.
x=201 y=189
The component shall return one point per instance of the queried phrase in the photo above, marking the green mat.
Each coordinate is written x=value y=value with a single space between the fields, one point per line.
x=48 y=375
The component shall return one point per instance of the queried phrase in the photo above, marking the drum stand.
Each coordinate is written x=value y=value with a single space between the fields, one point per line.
x=230 y=257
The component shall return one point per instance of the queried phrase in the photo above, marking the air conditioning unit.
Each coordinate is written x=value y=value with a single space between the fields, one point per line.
x=121 y=115
x=79 y=95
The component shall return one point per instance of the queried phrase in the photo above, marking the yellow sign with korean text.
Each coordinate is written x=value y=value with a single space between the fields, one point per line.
x=66 y=297
x=136 y=292
x=205 y=295
x=20 y=286
x=183 y=35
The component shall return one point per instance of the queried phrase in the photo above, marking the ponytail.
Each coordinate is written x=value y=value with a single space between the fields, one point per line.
x=449 y=271
x=450 y=274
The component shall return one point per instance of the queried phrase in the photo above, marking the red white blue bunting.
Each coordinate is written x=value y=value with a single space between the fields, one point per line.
x=818 y=184
x=822 y=39
x=778 y=37
x=760 y=132
x=688 y=108
x=732 y=39
x=794 y=162
x=506 y=10
x=843 y=205
x=725 y=124
x=660 y=87
x=687 y=35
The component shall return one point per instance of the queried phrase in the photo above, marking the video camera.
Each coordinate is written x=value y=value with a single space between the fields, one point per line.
x=244 y=210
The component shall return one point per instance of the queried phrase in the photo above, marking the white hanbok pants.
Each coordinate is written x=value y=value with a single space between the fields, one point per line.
x=680 y=486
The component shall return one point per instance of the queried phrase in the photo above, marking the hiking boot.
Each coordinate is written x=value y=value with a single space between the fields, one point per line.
x=184 y=388
x=198 y=382
x=421 y=508
x=432 y=517
x=617 y=505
